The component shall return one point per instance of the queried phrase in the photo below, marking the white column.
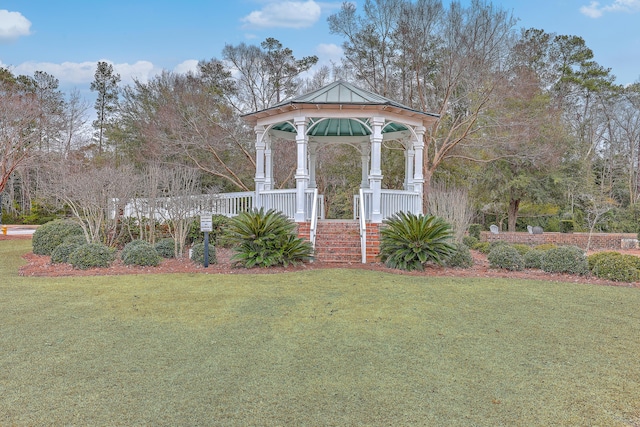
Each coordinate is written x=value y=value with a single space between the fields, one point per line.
x=302 y=177
x=364 y=158
x=409 y=156
x=313 y=149
x=418 y=176
x=268 y=165
x=375 y=176
x=259 y=177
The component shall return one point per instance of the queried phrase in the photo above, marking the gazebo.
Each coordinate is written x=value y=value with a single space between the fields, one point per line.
x=340 y=113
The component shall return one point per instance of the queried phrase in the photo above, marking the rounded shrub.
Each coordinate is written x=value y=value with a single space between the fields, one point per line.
x=91 y=255
x=474 y=230
x=593 y=259
x=166 y=247
x=129 y=247
x=615 y=266
x=507 y=257
x=521 y=248
x=197 y=253
x=460 y=258
x=143 y=254
x=60 y=254
x=565 y=259
x=482 y=247
x=76 y=239
x=545 y=246
x=533 y=259
x=49 y=235
x=470 y=241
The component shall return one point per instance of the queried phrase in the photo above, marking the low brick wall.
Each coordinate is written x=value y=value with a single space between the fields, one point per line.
x=598 y=240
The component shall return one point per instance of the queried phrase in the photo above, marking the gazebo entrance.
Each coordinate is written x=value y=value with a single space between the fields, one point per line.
x=340 y=113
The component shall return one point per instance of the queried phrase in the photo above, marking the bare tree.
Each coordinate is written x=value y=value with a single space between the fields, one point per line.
x=94 y=196
x=181 y=189
x=454 y=58
x=19 y=112
x=451 y=204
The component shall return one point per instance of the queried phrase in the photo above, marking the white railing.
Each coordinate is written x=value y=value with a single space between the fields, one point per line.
x=314 y=219
x=279 y=200
x=363 y=229
x=227 y=204
x=312 y=197
x=391 y=202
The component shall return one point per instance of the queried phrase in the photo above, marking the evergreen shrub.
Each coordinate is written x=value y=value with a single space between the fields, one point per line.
x=474 y=230
x=49 y=235
x=505 y=256
x=143 y=254
x=615 y=266
x=533 y=259
x=197 y=253
x=166 y=247
x=521 y=248
x=482 y=247
x=565 y=259
x=460 y=258
x=60 y=254
x=470 y=241
x=545 y=246
x=91 y=255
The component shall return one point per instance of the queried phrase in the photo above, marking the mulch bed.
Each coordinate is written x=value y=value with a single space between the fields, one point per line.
x=40 y=266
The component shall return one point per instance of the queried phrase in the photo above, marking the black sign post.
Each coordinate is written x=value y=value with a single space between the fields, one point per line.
x=206 y=225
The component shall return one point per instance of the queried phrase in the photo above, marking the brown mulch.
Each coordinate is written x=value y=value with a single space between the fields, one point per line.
x=40 y=266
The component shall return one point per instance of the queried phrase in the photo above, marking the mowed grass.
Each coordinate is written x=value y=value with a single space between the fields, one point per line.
x=317 y=348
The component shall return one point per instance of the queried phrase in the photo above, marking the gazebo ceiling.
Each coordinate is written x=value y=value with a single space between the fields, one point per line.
x=339 y=127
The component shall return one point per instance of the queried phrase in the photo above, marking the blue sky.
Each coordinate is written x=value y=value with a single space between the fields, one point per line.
x=141 y=37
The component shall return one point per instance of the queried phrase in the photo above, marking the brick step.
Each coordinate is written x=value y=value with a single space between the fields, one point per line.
x=338 y=242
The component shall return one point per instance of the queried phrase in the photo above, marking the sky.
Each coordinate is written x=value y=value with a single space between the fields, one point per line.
x=66 y=38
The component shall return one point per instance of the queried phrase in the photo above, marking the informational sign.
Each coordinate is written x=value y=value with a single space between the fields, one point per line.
x=206 y=223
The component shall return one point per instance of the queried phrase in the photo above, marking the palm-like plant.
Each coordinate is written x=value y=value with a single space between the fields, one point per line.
x=265 y=239
x=409 y=241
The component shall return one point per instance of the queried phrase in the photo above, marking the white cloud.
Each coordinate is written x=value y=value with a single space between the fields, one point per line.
x=329 y=52
x=186 y=66
x=594 y=10
x=83 y=72
x=13 y=25
x=284 y=14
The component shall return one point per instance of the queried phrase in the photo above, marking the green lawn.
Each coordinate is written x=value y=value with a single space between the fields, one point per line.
x=317 y=348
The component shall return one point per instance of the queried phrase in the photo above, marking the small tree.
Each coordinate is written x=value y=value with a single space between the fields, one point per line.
x=452 y=205
x=93 y=196
x=181 y=188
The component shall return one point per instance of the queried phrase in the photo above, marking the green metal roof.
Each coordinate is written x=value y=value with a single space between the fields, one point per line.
x=344 y=93
x=341 y=95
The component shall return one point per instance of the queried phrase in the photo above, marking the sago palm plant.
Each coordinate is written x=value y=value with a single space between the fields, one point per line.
x=265 y=239
x=409 y=241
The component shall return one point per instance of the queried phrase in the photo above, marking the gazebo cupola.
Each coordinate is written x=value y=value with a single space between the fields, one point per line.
x=340 y=113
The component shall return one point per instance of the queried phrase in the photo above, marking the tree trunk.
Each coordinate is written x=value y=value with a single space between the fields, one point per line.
x=426 y=186
x=514 y=206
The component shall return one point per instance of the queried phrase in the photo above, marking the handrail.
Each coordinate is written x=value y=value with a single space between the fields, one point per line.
x=314 y=218
x=363 y=229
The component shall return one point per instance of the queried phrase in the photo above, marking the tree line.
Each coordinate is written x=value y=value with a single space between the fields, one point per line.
x=530 y=126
